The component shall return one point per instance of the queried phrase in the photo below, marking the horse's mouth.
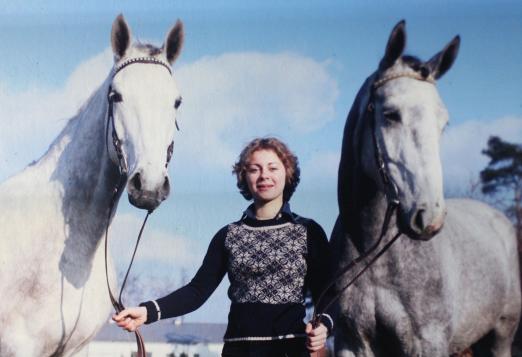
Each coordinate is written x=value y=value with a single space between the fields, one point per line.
x=146 y=200
x=424 y=235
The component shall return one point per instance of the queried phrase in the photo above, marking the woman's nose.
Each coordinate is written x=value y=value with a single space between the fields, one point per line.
x=263 y=174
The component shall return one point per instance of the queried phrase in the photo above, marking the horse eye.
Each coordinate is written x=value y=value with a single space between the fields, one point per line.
x=177 y=103
x=115 y=97
x=392 y=115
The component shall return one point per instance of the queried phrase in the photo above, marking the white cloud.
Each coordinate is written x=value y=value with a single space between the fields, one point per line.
x=230 y=99
x=156 y=246
x=462 y=145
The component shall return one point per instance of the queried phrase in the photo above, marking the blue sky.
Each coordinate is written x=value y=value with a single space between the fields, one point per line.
x=253 y=68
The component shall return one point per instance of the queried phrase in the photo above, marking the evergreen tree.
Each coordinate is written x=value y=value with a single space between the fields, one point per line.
x=502 y=178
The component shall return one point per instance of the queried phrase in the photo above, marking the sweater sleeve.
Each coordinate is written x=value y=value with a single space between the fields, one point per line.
x=319 y=271
x=191 y=296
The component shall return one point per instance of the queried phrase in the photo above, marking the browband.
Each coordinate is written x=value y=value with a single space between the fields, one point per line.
x=152 y=60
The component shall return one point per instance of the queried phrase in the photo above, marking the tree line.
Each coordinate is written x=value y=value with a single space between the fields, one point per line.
x=502 y=179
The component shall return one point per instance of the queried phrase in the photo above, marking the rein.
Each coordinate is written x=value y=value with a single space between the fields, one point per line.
x=391 y=193
x=113 y=97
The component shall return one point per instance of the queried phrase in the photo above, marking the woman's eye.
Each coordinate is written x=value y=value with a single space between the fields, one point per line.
x=392 y=115
x=177 y=103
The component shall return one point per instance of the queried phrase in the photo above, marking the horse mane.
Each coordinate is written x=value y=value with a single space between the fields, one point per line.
x=349 y=174
x=72 y=122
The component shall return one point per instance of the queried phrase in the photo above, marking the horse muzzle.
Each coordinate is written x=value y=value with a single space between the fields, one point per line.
x=421 y=223
x=149 y=199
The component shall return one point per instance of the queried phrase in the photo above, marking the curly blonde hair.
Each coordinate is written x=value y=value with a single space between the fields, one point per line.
x=288 y=159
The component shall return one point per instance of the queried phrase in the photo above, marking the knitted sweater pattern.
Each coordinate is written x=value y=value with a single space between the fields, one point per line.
x=267 y=264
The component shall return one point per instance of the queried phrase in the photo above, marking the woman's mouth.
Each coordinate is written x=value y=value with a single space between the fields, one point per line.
x=264 y=187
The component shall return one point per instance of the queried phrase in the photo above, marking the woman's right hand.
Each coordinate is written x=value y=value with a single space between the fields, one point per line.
x=132 y=318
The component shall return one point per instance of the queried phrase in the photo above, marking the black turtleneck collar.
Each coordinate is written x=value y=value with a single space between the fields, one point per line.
x=284 y=215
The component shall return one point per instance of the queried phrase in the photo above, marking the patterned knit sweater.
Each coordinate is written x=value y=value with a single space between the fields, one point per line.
x=271 y=264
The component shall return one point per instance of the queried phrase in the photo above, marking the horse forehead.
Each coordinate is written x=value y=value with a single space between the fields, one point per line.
x=406 y=92
x=145 y=79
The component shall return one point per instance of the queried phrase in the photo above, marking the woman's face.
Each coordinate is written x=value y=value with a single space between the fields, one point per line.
x=265 y=176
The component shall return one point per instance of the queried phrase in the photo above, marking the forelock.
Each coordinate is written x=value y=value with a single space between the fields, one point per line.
x=148 y=49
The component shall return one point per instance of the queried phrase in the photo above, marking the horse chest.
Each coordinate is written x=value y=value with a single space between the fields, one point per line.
x=62 y=316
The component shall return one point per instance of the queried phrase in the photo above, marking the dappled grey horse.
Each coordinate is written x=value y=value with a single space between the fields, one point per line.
x=452 y=279
x=54 y=213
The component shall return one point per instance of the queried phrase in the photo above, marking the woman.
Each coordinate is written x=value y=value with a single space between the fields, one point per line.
x=272 y=257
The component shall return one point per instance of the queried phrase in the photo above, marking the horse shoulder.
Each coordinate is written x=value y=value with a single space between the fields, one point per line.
x=480 y=220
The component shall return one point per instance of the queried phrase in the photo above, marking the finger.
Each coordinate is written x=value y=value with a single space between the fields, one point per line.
x=316 y=333
x=320 y=329
x=122 y=314
x=316 y=343
x=130 y=325
x=123 y=323
x=314 y=349
x=319 y=341
x=320 y=335
x=127 y=323
x=309 y=328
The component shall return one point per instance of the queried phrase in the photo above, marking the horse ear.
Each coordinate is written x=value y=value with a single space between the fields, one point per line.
x=442 y=61
x=395 y=46
x=174 y=42
x=120 y=37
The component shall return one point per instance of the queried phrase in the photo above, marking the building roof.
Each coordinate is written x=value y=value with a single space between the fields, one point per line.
x=167 y=331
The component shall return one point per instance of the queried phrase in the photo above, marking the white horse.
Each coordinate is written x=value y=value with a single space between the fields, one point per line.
x=54 y=212
x=452 y=280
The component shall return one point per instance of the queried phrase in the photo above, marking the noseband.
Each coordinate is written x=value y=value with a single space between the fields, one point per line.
x=113 y=97
x=391 y=193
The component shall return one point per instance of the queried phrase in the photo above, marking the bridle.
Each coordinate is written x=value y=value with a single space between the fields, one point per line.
x=113 y=97
x=391 y=192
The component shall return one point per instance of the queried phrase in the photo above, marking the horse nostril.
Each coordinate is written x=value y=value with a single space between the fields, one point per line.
x=166 y=186
x=136 y=181
x=419 y=219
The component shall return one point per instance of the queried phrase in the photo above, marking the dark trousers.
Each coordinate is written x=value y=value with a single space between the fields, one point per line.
x=293 y=347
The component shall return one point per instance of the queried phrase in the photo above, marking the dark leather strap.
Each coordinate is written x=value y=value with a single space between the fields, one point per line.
x=118 y=304
x=316 y=314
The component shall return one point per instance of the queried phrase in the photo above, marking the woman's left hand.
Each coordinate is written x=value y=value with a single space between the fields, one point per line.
x=316 y=337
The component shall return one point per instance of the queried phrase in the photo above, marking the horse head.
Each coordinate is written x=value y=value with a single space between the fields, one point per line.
x=143 y=101
x=408 y=119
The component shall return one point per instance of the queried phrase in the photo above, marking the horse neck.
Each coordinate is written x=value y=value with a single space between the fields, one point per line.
x=83 y=167
x=371 y=213
x=362 y=205
x=87 y=177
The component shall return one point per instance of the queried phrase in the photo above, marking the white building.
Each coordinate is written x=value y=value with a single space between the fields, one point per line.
x=165 y=338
